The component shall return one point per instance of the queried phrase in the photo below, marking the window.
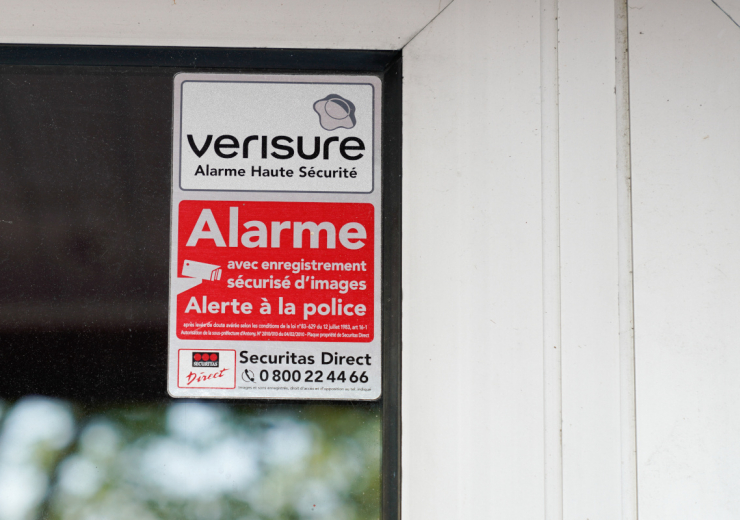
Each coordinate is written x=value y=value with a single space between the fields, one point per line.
x=86 y=427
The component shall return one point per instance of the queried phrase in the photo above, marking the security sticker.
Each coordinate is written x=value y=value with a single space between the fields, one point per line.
x=275 y=257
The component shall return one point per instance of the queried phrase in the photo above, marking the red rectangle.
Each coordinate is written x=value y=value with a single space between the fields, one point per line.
x=276 y=271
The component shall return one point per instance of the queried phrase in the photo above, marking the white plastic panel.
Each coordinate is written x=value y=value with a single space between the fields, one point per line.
x=472 y=266
x=332 y=24
x=685 y=71
x=588 y=212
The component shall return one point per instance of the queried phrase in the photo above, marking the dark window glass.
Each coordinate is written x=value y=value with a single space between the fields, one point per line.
x=86 y=427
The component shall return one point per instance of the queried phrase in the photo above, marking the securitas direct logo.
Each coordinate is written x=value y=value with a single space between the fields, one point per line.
x=205 y=359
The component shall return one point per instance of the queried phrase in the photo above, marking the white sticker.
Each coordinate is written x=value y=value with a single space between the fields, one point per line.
x=289 y=136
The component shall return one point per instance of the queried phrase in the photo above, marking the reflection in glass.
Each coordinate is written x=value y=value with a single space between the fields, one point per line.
x=187 y=460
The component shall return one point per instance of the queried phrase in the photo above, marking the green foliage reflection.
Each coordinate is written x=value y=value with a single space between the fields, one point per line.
x=188 y=460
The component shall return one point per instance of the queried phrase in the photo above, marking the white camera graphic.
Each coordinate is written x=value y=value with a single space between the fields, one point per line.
x=192 y=269
x=193 y=273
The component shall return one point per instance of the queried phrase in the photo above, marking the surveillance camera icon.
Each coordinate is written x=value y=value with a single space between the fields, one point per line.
x=194 y=273
x=192 y=269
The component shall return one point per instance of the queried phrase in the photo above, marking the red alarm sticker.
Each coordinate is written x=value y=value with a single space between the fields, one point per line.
x=276 y=271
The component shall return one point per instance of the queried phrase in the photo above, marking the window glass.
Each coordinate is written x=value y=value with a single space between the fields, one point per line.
x=86 y=427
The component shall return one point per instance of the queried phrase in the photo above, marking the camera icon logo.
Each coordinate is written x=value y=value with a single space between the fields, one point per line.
x=335 y=112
